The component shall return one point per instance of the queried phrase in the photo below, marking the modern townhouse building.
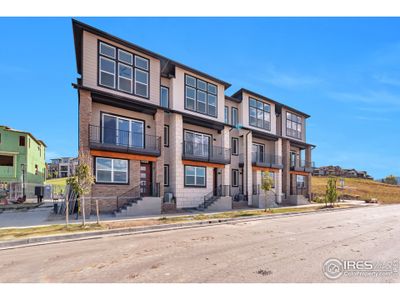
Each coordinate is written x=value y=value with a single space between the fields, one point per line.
x=160 y=132
x=62 y=167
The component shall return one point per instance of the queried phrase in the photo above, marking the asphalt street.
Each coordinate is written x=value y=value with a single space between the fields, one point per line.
x=283 y=249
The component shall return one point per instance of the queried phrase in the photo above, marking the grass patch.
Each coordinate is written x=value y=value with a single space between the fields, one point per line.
x=57 y=181
x=363 y=189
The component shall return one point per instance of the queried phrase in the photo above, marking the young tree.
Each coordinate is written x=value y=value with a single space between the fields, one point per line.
x=391 y=179
x=331 y=193
x=266 y=185
x=82 y=182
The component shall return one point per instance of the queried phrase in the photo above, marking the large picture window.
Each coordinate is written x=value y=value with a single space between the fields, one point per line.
x=259 y=114
x=195 y=176
x=123 y=71
x=6 y=161
x=196 y=144
x=293 y=125
x=201 y=96
x=122 y=131
x=110 y=170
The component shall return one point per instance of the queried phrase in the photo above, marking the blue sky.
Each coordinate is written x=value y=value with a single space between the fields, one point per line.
x=344 y=72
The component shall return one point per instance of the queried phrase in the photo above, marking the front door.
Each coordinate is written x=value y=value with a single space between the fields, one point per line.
x=215 y=181
x=145 y=179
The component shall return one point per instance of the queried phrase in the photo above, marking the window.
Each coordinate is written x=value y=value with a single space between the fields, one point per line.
x=110 y=170
x=166 y=136
x=234 y=116
x=259 y=114
x=300 y=181
x=293 y=159
x=196 y=144
x=122 y=131
x=200 y=96
x=121 y=70
x=258 y=152
x=164 y=97
x=36 y=170
x=22 y=141
x=235 y=146
x=166 y=175
x=293 y=125
x=6 y=161
x=235 y=177
x=226 y=115
x=195 y=176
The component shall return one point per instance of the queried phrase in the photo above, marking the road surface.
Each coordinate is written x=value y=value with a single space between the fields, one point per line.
x=283 y=249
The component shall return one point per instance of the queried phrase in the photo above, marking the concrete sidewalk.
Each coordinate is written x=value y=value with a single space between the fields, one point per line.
x=44 y=215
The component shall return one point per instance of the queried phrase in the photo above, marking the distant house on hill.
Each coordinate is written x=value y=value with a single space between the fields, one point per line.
x=339 y=172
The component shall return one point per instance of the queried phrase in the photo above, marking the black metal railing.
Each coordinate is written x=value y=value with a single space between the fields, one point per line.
x=206 y=152
x=219 y=191
x=266 y=160
x=128 y=197
x=106 y=138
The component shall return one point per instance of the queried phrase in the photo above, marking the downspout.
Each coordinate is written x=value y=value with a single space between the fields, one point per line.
x=247 y=175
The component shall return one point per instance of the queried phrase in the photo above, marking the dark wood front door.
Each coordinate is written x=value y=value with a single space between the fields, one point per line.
x=145 y=179
x=215 y=175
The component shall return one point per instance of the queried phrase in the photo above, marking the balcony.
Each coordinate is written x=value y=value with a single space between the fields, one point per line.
x=206 y=153
x=302 y=165
x=111 y=139
x=266 y=160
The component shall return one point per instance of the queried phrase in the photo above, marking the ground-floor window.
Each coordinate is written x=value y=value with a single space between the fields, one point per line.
x=235 y=177
x=6 y=161
x=109 y=170
x=166 y=175
x=195 y=176
x=300 y=181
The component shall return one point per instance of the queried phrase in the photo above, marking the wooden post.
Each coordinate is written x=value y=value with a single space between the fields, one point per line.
x=97 y=211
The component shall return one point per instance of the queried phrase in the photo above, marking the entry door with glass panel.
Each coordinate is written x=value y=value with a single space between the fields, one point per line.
x=145 y=179
x=197 y=144
x=122 y=131
x=258 y=149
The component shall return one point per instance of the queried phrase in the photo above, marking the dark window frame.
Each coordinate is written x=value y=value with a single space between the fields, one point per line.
x=234 y=109
x=110 y=183
x=197 y=90
x=195 y=186
x=235 y=171
x=166 y=137
x=22 y=141
x=116 y=62
x=236 y=153
x=226 y=114
x=263 y=114
x=7 y=159
x=290 y=131
x=161 y=88
x=166 y=166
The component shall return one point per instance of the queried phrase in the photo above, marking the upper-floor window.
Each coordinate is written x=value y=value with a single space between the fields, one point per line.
x=166 y=175
x=166 y=136
x=164 y=96
x=259 y=114
x=234 y=116
x=235 y=146
x=226 y=114
x=200 y=96
x=122 y=131
x=293 y=125
x=22 y=141
x=123 y=71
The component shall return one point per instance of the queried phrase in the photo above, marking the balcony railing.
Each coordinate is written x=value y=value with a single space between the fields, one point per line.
x=111 y=139
x=266 y=160
x=302 y=165
x=205 y=152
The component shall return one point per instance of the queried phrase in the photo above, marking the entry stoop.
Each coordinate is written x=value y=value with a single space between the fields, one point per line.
x=297 y=200
x=221 y=204
x=144 y=207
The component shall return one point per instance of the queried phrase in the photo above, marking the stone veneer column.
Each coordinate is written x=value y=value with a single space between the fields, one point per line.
x=159 y=167
x=85 y=118
x=309 y=177
x=248 y=167
x=176 y=167
x=286 y=167
x=278 y=175
x=226 y=171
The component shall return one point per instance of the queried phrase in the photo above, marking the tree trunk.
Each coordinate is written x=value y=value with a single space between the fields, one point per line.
x=83 y=211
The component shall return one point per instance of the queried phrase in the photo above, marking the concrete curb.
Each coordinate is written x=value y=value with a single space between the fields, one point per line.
x=54 y=239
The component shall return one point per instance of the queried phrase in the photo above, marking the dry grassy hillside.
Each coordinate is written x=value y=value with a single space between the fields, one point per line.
x=363 y=189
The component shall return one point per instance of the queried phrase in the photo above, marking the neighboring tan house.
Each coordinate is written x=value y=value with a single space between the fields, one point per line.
x=339 y=172
x=21 y=155
x=156 y=129
x=62 y=167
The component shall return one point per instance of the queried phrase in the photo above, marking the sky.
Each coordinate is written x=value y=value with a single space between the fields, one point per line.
x=344 y=72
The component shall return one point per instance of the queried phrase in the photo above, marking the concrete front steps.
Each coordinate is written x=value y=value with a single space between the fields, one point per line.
x=220 y=204
x=145 y=206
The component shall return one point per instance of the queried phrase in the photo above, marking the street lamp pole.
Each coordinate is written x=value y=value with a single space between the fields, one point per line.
x=23 y=181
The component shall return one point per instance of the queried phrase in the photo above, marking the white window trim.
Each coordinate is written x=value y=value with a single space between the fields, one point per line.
x=108 y=46
x=235 y=141
x=102 y=71
x=127 y=53
x=166 y=178
x=203 y=135
x=144 y=59
x=235 y=175
x=167 y=91
x=112 y=171
x=166 y=136
x=195 y=176
x=130 y=79
x=146 y=84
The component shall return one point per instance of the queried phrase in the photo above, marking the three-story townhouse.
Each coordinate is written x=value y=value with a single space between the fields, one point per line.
x=159 y=132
